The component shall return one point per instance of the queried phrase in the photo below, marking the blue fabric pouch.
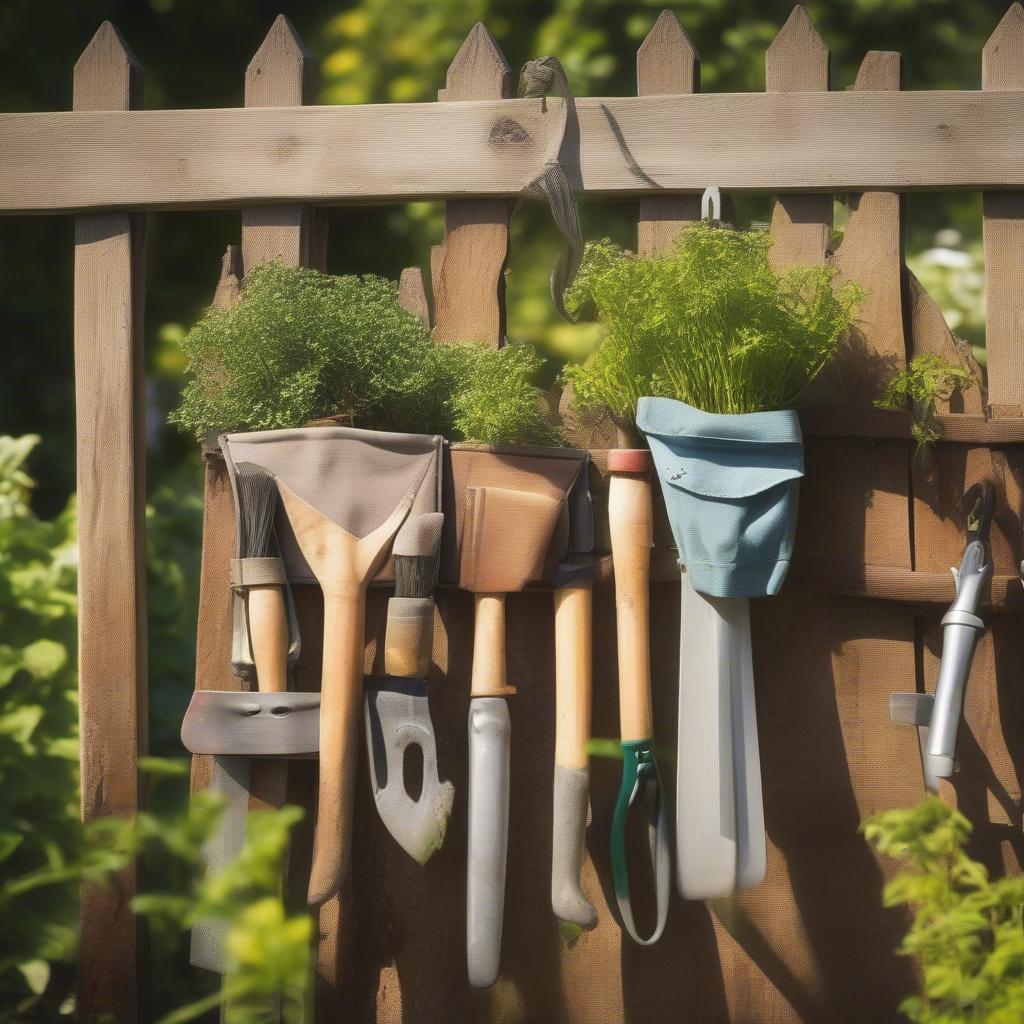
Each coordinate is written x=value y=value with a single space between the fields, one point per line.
x=730 y=486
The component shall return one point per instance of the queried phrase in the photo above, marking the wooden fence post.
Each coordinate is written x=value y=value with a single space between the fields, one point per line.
x=1003 y=68
x=282 y=74
x=798 y=61
x=666 y=63
x=109 y=395
x=469 y=296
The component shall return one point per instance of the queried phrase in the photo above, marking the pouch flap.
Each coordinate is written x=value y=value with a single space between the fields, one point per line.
x=718 y=469
x=356 y=478
x=506 y=538
x=715 y=456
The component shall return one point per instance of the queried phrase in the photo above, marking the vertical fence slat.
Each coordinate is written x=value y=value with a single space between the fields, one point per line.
x=469 y=294
x=667 y=63
x=871 y=254
x=1003 y=68
x=798 y=61
x=412 y=295
x=109 y=413
x=281 y=74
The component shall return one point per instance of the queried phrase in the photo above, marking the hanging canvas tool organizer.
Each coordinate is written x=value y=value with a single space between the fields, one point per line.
x=510 y=524
x=344 y=495
x=730 y=489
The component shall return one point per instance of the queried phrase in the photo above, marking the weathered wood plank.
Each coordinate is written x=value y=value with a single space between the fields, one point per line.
x=1003 y=68
x=666 y=63
x=469 y=296
x=110 y=423
x=281 y=74
x=798 y=61
x=804 y=141
x=412 y=295
x=871 y=255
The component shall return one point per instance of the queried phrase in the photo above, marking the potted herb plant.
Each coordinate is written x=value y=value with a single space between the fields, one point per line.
x=707 y=350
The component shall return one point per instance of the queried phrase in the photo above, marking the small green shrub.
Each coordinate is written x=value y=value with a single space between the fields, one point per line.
x=968 y=930
x=709 y=322
x=300 y=345
x=927 y=380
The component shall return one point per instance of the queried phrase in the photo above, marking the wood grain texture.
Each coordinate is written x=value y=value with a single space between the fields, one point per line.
x=489 y=677
x=110 y=424
x=412 y=295
x=929 y=332
x=574 y=670
x=666 y=63
x=871 y=256
x=281 y=74
x=805 y=142
x=469 y=289
x=798 y=61
x=1003 y=68
x=630 y=520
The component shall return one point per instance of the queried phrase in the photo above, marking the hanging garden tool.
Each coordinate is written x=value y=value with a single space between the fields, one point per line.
x=508 y=527
x=730 y=488
x=396 y=708
x=264 y=624
x=631 y=521
x=345 y=494
x=573 y=599
x=937 y=716
x=722 y=339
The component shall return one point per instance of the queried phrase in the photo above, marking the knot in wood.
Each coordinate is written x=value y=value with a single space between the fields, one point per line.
x=506 y=131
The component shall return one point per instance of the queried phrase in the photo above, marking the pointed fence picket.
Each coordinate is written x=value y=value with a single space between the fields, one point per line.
x=877 y=528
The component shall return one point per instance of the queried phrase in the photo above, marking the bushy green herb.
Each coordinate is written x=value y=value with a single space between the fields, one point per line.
x=968 y=930
x=709 y=322
x=300 y=345
x=927 y=380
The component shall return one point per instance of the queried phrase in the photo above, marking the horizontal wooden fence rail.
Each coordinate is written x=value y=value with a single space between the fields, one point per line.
x=628 y=146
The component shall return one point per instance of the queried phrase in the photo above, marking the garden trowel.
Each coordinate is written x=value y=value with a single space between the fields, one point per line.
x=396 y=709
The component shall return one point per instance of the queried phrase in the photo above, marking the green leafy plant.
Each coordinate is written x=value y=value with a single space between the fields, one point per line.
x=928 y=379
x=45 y=855
x=301 y=345
x=967 y=930
x=709 y=322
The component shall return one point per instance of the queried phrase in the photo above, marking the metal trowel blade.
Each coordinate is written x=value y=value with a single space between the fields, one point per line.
x=397 y=716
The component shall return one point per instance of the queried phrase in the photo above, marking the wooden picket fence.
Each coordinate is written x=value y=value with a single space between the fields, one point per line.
x=878 y=528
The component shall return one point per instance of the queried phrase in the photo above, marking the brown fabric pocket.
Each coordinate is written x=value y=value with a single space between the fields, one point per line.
x=523 y=492
x=506 y=538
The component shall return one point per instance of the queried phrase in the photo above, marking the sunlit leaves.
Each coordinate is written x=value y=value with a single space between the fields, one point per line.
x=300 y=345
x=709 y=322
x=967 y=930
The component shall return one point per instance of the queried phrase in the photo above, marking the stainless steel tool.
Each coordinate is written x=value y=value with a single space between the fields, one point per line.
x=937 y=717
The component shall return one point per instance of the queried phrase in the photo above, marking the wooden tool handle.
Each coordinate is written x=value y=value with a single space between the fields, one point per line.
x=573 y=675
x=268 y=634
x=630 y=518
x=489 y=648
x=340 y=712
